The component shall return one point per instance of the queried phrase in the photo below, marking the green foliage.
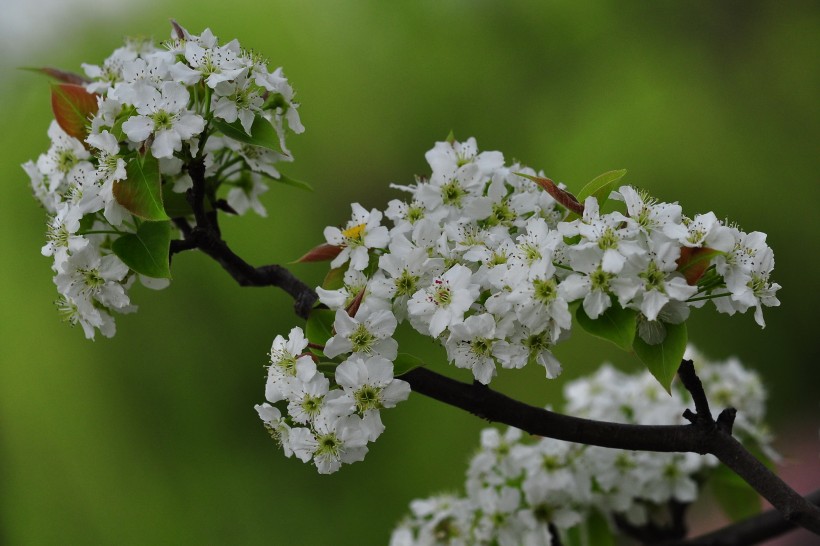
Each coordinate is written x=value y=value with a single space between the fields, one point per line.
x=319 y=326
x=262 y=133
x=663 y=359
x=334 y=279
x=141 y=192
x=405 y=362
x=616 y=324
x=288 y=181
x=146 y=251
x=599 y=188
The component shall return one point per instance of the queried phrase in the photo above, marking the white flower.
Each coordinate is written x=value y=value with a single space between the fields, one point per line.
x=370 y=383
x=60 y=235
x=88 y=276
x=607 y=239
x=353 y=283
x=287 y=363
x=368 y=333
x=332 y=441
x=306 y=399
x=705 y=230
x=86 y=315
x=445 y=301
x=361 y=233
x=65 y=154
x=245 y=194
x=539 y=304
x=110 y=168
x=207 y=61
x=474 y=344
x=276 y=426
x=164 y=114
x=651 y=215
x=405 y=267
x=236 y=99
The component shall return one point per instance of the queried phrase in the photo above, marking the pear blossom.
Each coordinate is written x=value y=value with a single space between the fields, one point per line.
x=369 y=332
x=362 y=233
x=163 y=114
x=444 y=301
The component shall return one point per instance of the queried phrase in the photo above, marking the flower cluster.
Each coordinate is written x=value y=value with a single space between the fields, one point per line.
x=493 y=267
x=122 y=146
x=326 y=423
x=484 y=260
x=521 y=491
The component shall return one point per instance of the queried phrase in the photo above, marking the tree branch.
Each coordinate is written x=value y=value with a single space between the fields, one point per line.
x=752 y=530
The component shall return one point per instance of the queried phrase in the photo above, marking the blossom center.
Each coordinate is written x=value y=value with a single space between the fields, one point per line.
x=406 y=283
x=368 y=398
x=361 y=339
x=163 y=121
x=354 y=235
x=545 y=290
x=452 y=192
x=608 y=240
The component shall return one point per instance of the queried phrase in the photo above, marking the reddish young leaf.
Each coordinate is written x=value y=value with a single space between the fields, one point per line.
x=321 y=253
x=73 y=107
x=353 y=308
x=693 y=262
x=60 y=75
x=563 y=197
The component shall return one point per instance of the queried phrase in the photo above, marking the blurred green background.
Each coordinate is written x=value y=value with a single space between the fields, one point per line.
x=151 y=437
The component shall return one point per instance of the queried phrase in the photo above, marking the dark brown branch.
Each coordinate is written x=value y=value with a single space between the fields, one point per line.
x=700 y=437
x=205 y=236
x=752 y=530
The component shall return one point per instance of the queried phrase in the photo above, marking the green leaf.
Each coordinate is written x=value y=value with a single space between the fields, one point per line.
x=288 y=181
x=663 y=360
x=335 y=278
x=86 y=223
x=319 y=326
x=736 y=497
x=598 y=531
x=141 y=191
x=601 y=186
x=327 y=368
x=405 y=362
x=262 y=133
x=176 y=204
x=146 y=251
x=616 y=324
x=73 y=107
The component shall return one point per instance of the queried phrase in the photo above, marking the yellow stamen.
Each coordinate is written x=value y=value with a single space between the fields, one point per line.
x=354 y=232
